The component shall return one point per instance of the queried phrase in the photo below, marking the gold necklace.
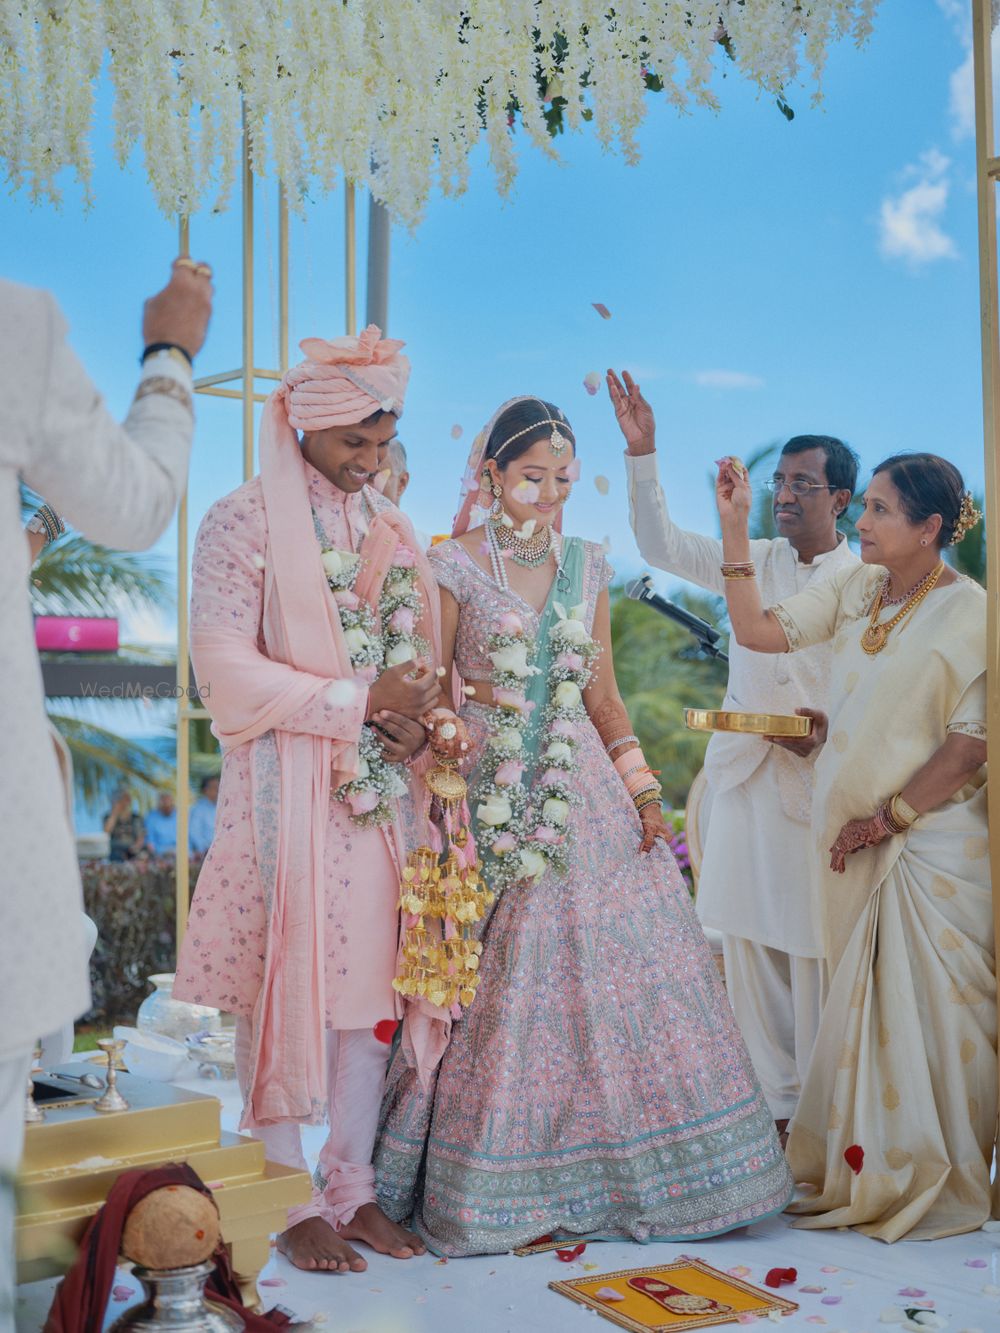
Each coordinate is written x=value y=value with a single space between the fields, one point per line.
x=874 y=639
x=530 y=552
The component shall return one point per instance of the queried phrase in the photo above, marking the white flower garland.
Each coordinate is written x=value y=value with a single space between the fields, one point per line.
x=375 y=642
x=395 y=97
x=527 y=832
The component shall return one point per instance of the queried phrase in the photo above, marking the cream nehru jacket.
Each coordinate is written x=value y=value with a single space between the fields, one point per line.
x=118 y=485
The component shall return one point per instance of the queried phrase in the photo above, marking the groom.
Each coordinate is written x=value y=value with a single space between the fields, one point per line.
x=294 y=924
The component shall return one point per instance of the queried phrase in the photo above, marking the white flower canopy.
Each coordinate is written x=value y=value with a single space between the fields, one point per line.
x=393 y=95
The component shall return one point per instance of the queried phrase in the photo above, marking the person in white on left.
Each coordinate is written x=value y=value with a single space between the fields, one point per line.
x=117 y=484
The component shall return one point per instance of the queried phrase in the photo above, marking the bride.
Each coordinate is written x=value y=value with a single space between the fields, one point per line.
x=597 y=1086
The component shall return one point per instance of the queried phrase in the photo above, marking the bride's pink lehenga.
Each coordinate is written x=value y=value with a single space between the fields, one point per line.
x=598 y=1084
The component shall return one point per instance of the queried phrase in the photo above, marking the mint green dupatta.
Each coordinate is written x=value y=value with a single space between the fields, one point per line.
x=520 y=819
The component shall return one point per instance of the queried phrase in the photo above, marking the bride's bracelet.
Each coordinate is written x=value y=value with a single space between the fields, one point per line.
x=622 y=740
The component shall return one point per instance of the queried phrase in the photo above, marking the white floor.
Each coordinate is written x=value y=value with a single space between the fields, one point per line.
x=845 y=1283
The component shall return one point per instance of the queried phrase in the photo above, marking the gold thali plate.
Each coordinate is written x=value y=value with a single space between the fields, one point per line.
x=754 y=724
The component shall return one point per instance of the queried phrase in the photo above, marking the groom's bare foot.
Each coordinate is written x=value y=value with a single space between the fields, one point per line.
x=314 y=1245
x=372 y=1226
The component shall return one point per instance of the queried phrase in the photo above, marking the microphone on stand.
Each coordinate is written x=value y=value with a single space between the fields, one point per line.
x=641 y=590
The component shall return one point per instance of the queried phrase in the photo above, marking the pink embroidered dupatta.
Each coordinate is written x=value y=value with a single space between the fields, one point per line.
x=301 y=627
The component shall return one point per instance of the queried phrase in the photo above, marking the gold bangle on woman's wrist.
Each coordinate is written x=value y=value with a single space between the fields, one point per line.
x=902 y=812
x=742 y=569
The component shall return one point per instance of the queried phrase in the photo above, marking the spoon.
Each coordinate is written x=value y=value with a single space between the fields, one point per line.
x=88 y=1080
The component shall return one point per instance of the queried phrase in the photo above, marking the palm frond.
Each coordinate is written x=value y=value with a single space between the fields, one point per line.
x=77 y=577
x=102 y=760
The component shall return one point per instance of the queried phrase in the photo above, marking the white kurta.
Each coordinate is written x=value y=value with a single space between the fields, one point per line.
x=117 y=484
x=754 y=881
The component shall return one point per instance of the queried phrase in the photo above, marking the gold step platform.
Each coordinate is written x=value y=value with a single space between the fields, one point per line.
x=74 y=1156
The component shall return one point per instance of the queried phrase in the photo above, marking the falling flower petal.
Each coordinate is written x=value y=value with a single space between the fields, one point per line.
x=740 y=1270
x=567 y=1256
x=456 y=432
x=589 y=1268
x=601 y=309
x=526 y=492
x=829 y=1268
x=746 y=1317
x=385 y=1029
x=122 y=1293
x=592 y=382
x=271 y=1282
x=854 y=1156
x=341 y=693
x=831 y=1300
x=608 y=1294
x=775 y=1316
x=606 y=546
x=976 y=1263
x=812 y=1291
x=602 y=484
x=573 y=469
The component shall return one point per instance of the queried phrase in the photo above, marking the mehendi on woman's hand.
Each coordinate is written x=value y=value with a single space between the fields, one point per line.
x=856 y=835
x=653 y=827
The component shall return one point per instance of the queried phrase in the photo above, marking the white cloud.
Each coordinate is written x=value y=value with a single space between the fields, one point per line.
x=909 y=222
x=726 y=379
x=961 y=86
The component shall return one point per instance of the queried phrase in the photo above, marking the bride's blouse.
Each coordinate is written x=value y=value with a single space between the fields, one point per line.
x=483 y=601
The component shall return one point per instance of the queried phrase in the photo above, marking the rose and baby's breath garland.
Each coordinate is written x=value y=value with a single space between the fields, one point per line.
x=375 y=641
x=524 y=826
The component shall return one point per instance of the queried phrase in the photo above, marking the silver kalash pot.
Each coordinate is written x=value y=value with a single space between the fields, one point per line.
x=175 y=1300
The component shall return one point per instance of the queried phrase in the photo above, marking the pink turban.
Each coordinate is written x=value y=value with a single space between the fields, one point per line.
x=344 y=381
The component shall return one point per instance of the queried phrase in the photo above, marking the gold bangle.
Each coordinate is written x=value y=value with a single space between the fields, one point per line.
x=739 y=572
x=902 y=812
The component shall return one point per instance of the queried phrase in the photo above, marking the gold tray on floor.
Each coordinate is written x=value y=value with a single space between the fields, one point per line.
x=754 y=724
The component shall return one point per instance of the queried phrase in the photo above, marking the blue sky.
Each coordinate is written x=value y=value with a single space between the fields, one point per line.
x=764 y=278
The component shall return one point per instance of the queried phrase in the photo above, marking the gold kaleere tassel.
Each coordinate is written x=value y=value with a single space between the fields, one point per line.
x=441 y=897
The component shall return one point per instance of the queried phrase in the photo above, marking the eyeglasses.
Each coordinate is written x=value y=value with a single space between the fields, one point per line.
x=797 y=487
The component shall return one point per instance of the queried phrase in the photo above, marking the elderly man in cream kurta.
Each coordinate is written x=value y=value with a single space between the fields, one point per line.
x=118 y=484
x=756 y=884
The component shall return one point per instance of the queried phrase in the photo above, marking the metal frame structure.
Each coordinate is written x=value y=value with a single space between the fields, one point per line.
x=248 y=394
x=988 y=178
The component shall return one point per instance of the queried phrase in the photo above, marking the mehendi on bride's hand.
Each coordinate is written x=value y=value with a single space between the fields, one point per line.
x=653 y=827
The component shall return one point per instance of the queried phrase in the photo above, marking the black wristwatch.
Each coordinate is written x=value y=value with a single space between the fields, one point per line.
x=174 y=349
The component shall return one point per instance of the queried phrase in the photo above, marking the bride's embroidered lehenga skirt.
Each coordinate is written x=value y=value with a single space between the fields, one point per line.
x=598 y=1084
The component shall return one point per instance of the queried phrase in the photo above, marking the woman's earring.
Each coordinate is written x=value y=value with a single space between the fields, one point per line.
x=923 y=541
x=497 y=492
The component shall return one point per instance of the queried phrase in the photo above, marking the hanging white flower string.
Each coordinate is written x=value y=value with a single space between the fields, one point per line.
x=342 y=90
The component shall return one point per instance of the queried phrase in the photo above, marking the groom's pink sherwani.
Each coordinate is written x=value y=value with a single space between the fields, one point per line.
x=222 y=956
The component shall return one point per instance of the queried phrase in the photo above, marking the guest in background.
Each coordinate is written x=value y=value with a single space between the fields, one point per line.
x=201 y=822
x=399 y=477
x=161 y=826
x=124 y=826
x=397 y=482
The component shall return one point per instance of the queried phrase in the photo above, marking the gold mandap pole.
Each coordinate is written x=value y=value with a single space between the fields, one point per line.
x=988 y=176
x=247 y=373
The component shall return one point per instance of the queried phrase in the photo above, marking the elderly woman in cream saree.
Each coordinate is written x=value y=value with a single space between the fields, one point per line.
x=895 y=1127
